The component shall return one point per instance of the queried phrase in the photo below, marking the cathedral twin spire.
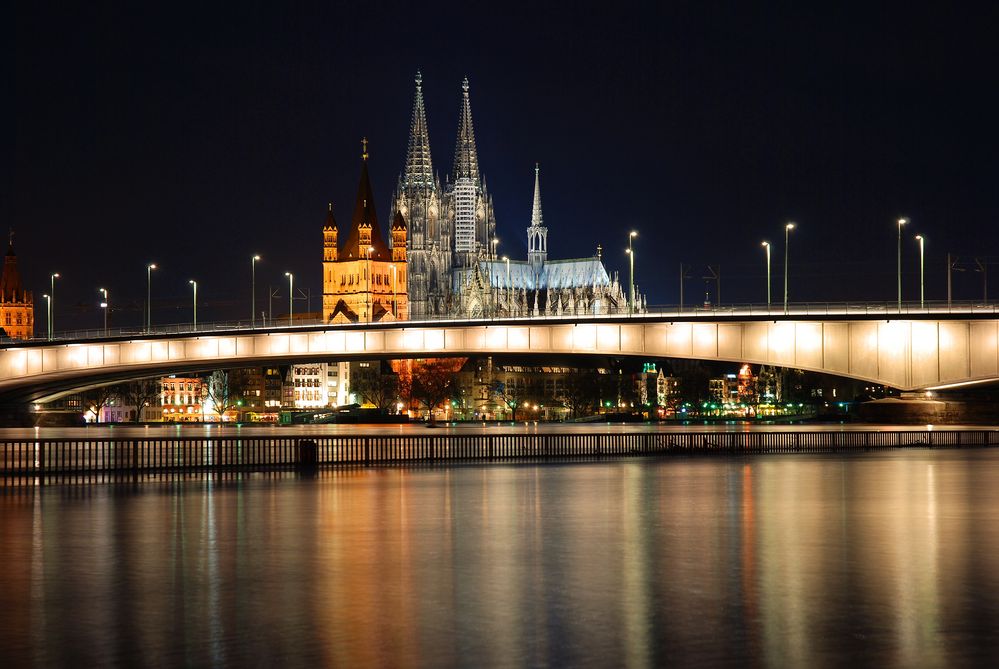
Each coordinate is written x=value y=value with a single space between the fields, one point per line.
x=466 y=158
x=419 y=165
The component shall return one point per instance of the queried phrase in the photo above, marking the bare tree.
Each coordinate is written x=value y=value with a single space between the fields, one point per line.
x=140 y=393
x=95 y=399
x=579 y=391
x=225 y=390
x=513 y=395
x=434 y=381
x=379 y=389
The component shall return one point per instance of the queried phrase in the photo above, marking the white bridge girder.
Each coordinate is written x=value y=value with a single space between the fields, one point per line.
x=905 y=354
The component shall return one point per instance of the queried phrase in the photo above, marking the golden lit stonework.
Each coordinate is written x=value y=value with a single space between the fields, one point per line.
x=363 y=279
x=17 y=309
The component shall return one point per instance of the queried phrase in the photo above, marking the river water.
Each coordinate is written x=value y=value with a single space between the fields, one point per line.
x=878 y=559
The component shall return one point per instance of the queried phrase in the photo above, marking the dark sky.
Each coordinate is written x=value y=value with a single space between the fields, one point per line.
x=194 y=136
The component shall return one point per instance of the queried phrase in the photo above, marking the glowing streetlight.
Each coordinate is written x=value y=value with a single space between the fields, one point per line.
x=395 y=294
x=766 y=245
x=787 y=231
x=291 y=296
x=631 y=287
x=52 y=304
x=149 y=294
x=901 y=222
x=371 y=305
x=48 y=300
x=105 y=305
x=922 y=294
x=253 y=290
x=195 y=285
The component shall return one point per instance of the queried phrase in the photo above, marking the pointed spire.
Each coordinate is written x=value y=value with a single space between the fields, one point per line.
x=419 y=166
x=330 y=220
x=536 y=220
x=466 y=159
x=364 y=216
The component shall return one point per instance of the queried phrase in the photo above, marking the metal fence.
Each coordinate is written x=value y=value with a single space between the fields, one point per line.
x=35 y=460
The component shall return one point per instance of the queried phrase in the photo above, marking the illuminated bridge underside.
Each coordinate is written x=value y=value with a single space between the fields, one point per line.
x=906 y=354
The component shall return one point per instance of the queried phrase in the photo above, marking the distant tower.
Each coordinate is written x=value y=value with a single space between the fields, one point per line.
x=418 y=199
x=537 y=234
x=17 y=309
x=468 y=205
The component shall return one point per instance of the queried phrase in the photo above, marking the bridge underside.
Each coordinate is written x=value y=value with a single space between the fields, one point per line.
x=905 y=354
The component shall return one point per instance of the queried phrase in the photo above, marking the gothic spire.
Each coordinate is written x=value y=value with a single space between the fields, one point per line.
x=536 y=220
x=419 y=166
x=466 y=159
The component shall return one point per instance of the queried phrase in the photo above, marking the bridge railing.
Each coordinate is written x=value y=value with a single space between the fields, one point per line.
x=799 y=309
x=30 y=461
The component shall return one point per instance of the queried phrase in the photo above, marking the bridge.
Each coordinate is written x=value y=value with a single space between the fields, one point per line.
x=911 y=349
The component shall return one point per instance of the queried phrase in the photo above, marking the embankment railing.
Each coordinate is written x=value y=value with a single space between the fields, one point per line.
x=43 y=458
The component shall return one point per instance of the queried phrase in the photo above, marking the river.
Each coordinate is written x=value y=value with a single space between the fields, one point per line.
x=877 y=559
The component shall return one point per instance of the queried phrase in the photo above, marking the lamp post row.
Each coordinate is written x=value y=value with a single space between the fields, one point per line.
x=630 y=251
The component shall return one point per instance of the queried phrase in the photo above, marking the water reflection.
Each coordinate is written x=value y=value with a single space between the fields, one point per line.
x=791 y=561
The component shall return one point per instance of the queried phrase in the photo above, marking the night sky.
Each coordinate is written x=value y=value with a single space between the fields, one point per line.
x=195 y=136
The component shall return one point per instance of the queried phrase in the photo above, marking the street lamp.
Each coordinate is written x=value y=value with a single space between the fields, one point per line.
x=631 y=287
x=48 y=300
x=395 y=295
x=253 y=290
x=787 y=231
x=371 y=304
x=766 y=245
x=52 y=304
x=922 y=294
x=149 y=292
x=901 y=222
x=105 y=305
x=291 y=296
x=195 y=284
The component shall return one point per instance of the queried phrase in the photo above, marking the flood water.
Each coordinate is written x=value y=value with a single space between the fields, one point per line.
x=879 y=559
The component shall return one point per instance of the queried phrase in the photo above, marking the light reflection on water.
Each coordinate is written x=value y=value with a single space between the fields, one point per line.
x=772 y=560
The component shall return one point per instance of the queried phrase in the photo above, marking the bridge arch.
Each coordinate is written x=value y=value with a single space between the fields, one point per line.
x=906 y=354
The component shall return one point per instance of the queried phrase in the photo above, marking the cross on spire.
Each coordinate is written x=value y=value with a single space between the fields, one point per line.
x=364 y=148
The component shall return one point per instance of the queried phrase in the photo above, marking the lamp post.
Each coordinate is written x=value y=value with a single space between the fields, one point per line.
x=52 y=304
x=149 y=296
x=105 y=305
x=395 y=294
x=253 y=290
x=48 y=301
x=787 y=232
x=631 y=285
x=195 y=284
x=922 y=294
x=506 y=259
x=291 y=296
x=371 y=301
x=901 y=222
x=766 y=245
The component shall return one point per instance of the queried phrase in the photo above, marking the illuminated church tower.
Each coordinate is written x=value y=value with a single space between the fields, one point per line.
x=468 y=206
x=363 y=280
x=17 y=309
x=418 y=199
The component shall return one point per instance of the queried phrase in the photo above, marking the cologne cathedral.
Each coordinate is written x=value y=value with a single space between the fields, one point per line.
x=453 y=267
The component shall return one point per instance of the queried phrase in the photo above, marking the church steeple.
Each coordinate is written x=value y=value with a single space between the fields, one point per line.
x=537 y=234
x=466 y=159
x=419 y=166
x=536 y=220
x=364 y=231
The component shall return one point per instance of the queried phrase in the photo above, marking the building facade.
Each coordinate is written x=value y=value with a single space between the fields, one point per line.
x=17 y=308
x=182 y=399
x=363 y=279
